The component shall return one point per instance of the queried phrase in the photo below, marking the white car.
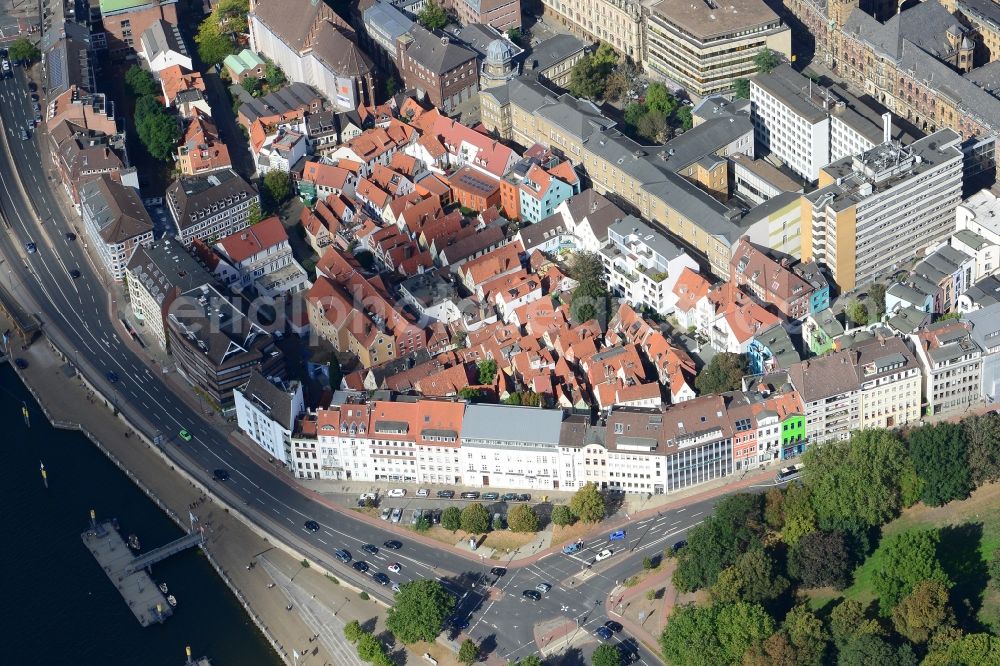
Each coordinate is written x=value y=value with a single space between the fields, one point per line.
x=604 y=554
x=386 y=512
x=394 y=567
x=397 y=492
x=423 y=492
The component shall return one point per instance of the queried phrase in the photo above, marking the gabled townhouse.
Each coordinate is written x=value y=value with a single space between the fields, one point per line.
x=175 y=80
x=280 y=151
x=375 y=146
x=201 y=150
x=321 y=226
x=162 y=46
x=115 y=221
x=952 y=365
x=543 y=189
x=79 y=155
x=266 y=412
x=498 y=263
x=693 y=308
x=773 y=282
x=245 y=64
x=935 y=283
x=447 y=143
x=735 y=319
x=443 y=70
x=433 y=295
x=474 y=189
x=319 y=180
x=771 y=349
x=263 y=258
x=820 y=329
x=375 y=200
x=393 y=182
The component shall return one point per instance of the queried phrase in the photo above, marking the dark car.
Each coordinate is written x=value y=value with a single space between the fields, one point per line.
x=603 y=633
x=20 y=363
x=470 y=495
x=360 y=566
x=75 y=274
x=381 y=578
x=312 y=526
x=446 y=494
x=524 y=497
x=677 y=546
x=70 y=236
x=223 y=475
x=34 y=97
x=534 y=595
x=498 y=571
x=435 y=515
x=370 y=549
x=112 y=377
x=342 y=555
x=509 y=497
x=32 y=86
x=459 y=623
x=392 y=545
x=30 y=247
x=628 y=655
x=491 y=496
x=613 y=626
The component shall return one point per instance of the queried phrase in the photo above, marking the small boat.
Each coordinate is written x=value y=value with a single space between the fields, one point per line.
x=171 y=600
x=133 y=542
x=163 y=588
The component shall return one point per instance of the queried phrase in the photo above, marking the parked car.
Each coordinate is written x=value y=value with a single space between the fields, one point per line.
x=471 y=495
x=509 y=497
x=618 y=535
x=446 y=494
x=543 y=587
x=678 y=545
x=604 y=554
x=381 y=578
x=417 y=515
x=524 y=497
x=490 y=497
x=534 y=595
x=386 y=512
x=423 y=492
x=312 y=526
x=392 y=545
x=397 y=515
x=397 y=492
x=435 y=516
x=370 y=549
x=342 y=555
x=613 y=626
x=395 y=588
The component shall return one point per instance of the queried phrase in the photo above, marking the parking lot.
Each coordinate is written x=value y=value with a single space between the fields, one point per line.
x=409 y=508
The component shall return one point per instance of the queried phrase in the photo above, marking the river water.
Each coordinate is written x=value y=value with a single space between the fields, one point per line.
x=56 y=604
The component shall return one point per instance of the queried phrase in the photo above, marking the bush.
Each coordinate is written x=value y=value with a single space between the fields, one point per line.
x=451 y=518
x=647 y=563
x=364 y=595
x=353 y=631
x=468 y=654
x=423 y=524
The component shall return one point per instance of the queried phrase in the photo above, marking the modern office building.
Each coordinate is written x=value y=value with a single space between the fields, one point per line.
x=874 y=211
x=704 y=46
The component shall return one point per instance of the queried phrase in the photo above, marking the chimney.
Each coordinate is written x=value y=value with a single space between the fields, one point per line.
x=886 y=127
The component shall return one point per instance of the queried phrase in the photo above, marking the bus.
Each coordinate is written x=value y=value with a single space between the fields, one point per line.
x=787 y=473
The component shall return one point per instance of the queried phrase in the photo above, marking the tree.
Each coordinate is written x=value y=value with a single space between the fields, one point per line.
x=606 y=655
x=471 y=394
x=806 y=634
x=856 y=482
x=774 y=508
x=451 y=518
x=587 y=503
x=683 y=119
x=723 y=373
x=274 y=76
x=939 y=455
x=857 y=312
x=370 y=649
x=487 y=371
x=157 y=129
x=391 y=86
x=766 y=60
x=872 y=650
x=514 y=35
x=653 y=127
x=590 y=296
x=850 y=618
x=522 y=518
x=468 y=654
x=734 y=527
x=821 y=559
x=742 y=89
x=475 y=519
x=923 y=612
x=800 y=516
x=277 y=188
x=255 y=215
x=530 y=660
x=752 y=578
x=213 y=45
x=740 y=627
x=993 y=569
x=433 y=16
x=231 y=16
x=562 y=515
x=140 y=82
x=353 y=631
x=982 y=437
x=907 y=559
x=23 y=50
x=660 y=100
x=690 y=637
x=876 y=293
x=251 y=84
x=419 y=610
x=968 y=650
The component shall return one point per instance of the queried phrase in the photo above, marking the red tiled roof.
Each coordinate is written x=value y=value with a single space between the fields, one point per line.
x=244 y=244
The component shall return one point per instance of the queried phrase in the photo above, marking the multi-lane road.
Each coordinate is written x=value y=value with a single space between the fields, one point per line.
x=77 y=314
